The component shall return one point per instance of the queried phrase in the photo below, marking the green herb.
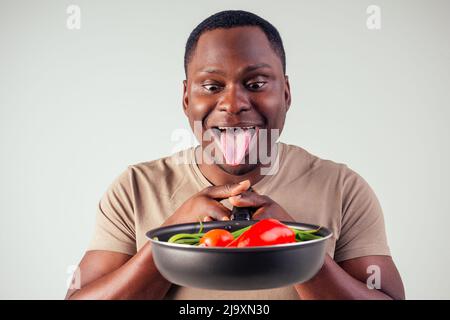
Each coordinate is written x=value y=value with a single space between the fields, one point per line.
x=182 y=236
x=237 y=233
x=301 y=236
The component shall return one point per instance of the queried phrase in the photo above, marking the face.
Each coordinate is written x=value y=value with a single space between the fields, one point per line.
x=236 y=80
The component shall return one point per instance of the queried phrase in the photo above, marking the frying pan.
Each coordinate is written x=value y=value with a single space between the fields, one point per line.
x=247 y=268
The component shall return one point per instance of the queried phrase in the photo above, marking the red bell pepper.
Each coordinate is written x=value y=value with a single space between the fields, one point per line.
x=266 y=232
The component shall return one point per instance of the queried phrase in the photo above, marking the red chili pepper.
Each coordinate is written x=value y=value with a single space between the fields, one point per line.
x=266 y=232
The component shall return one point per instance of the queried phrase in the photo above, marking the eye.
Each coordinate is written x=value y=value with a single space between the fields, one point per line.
x=256 y=85
x=211 y=87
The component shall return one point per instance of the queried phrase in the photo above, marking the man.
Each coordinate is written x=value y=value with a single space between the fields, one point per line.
x=236 y=86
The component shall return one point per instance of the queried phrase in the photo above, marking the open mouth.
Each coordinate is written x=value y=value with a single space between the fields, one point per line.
x=234 y=142
x=219 y=130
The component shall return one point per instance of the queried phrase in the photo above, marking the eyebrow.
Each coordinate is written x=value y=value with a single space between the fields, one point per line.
x=249 y=68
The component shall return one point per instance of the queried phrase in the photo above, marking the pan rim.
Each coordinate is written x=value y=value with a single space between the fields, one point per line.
x=233 y=249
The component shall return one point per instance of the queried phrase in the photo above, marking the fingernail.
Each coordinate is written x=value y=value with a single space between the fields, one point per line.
x=244 y=182
x=225 y=218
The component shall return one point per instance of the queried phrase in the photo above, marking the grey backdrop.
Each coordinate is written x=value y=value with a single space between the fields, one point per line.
x=78 y=106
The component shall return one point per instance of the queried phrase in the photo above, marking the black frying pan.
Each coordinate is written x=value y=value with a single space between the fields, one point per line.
x=236 y=268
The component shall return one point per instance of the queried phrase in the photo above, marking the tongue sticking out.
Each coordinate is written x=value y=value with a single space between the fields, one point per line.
x=234 y=143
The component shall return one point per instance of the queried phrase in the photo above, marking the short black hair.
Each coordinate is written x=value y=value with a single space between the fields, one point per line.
x=230 y=19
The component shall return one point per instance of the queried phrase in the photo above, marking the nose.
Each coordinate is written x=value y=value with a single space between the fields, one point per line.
x=234 y=100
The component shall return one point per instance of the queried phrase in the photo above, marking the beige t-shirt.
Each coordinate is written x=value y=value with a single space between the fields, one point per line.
x=310 y=189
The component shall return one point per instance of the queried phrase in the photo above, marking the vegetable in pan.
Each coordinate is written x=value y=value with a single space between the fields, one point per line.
x=265 y=232
x=216 y=238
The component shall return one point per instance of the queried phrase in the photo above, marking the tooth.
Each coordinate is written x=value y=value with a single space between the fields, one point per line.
x=236 y=128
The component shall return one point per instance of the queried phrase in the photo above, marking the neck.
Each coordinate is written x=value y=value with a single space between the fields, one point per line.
x=217 y=176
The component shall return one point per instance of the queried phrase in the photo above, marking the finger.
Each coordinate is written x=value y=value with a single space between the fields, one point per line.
x=217 y=211
x=207 y=219
x=227 y=190
x=260 y=213
x=249 y=199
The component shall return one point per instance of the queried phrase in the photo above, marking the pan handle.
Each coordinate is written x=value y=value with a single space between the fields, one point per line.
x=241 y=213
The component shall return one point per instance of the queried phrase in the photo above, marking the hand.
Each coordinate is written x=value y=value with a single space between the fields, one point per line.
x=265 y=206
x=205 y=205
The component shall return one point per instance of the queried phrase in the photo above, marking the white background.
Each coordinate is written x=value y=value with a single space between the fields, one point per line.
x=78 y=106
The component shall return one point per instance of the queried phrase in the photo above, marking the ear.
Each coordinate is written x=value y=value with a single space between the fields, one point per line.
x=287 y=93
x=185 y=98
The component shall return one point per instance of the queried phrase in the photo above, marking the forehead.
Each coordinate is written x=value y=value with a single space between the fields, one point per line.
x=231 y=49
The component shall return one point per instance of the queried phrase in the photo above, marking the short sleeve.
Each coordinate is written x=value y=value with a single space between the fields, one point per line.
x=362 y=223
x=114 y=227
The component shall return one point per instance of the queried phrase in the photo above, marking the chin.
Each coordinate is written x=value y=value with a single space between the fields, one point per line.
x=237 y=170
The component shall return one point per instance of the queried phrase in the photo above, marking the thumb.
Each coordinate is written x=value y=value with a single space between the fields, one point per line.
x=249 y=199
